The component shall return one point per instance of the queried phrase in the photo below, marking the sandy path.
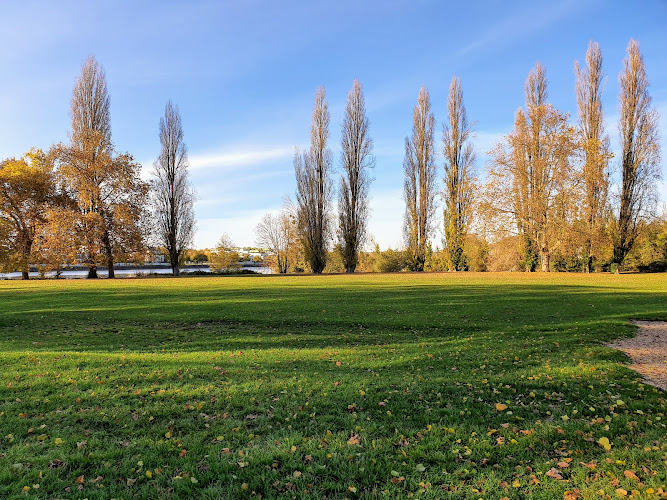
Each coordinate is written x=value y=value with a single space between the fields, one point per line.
x=648 y=350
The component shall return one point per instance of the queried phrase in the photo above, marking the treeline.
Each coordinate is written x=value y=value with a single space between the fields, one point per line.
x=85 y=203
x=546 y=200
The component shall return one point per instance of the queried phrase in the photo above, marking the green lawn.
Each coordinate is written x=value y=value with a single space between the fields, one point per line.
x=371 y=386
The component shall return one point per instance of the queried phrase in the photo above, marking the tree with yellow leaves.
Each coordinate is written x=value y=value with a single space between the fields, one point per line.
x=27 y=192
x=225 y=257
x=531 y=175
x=110 y=195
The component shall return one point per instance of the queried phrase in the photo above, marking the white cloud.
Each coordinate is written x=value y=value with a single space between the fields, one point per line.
x=228 y=159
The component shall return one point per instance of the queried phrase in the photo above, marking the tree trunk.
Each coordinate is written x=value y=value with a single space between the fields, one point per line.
x=27 y=250
x=546 y=259
x=175 y=270
x=92 y=272
x=106 y=241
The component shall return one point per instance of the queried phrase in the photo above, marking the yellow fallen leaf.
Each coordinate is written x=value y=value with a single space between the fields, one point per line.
x=604 y=442
x=501 y=407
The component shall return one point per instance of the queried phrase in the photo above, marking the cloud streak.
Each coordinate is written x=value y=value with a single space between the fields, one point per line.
x=230 y=159
x=521 y=24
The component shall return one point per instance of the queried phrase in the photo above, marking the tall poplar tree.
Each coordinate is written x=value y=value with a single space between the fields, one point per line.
x=173 y=196
x=356 y=155
x=640 y=152
x=595 y=148
x=107 y=187
x=459 y=183
x=420 y=177
x=313 y=187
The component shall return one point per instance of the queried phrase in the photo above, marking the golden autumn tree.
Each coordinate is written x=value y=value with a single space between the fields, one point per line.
x=110 y=195
x=27 y=193
x=531 y=174
x=26 y=190
x=225 y=257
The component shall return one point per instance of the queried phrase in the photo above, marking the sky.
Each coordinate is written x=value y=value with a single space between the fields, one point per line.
x=244 y=75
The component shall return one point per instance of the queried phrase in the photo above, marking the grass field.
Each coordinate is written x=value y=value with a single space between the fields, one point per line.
x=371 y=386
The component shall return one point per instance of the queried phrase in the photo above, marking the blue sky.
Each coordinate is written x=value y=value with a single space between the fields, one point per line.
x=244 y=75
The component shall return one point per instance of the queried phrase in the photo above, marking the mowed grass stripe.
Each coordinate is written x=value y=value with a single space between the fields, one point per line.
x=465 y=385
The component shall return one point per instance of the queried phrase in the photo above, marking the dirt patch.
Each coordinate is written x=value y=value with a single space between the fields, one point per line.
x=648 y=350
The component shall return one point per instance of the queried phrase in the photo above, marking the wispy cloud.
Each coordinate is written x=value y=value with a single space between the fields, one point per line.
x=232 y=158
x=520 y=24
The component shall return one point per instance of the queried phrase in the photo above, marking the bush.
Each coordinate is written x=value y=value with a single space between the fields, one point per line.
x=390 y=261
x=224 y=258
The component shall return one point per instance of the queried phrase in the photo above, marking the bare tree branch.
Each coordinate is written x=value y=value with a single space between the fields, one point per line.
x=419 y=187
x=173 y=196
x=356 y=156
x=640 y=145
x=313 y=188
x=459 y=179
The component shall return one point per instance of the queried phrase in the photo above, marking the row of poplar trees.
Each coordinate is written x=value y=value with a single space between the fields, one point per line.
x=547 y=185
x=85 y=203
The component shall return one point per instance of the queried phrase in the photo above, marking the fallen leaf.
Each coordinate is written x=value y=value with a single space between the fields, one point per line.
x=604 y=442
x=630 y=474
x=555 y=473
x=501 y=407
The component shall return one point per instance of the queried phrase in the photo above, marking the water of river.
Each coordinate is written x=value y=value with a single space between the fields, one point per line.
x=127 y=273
